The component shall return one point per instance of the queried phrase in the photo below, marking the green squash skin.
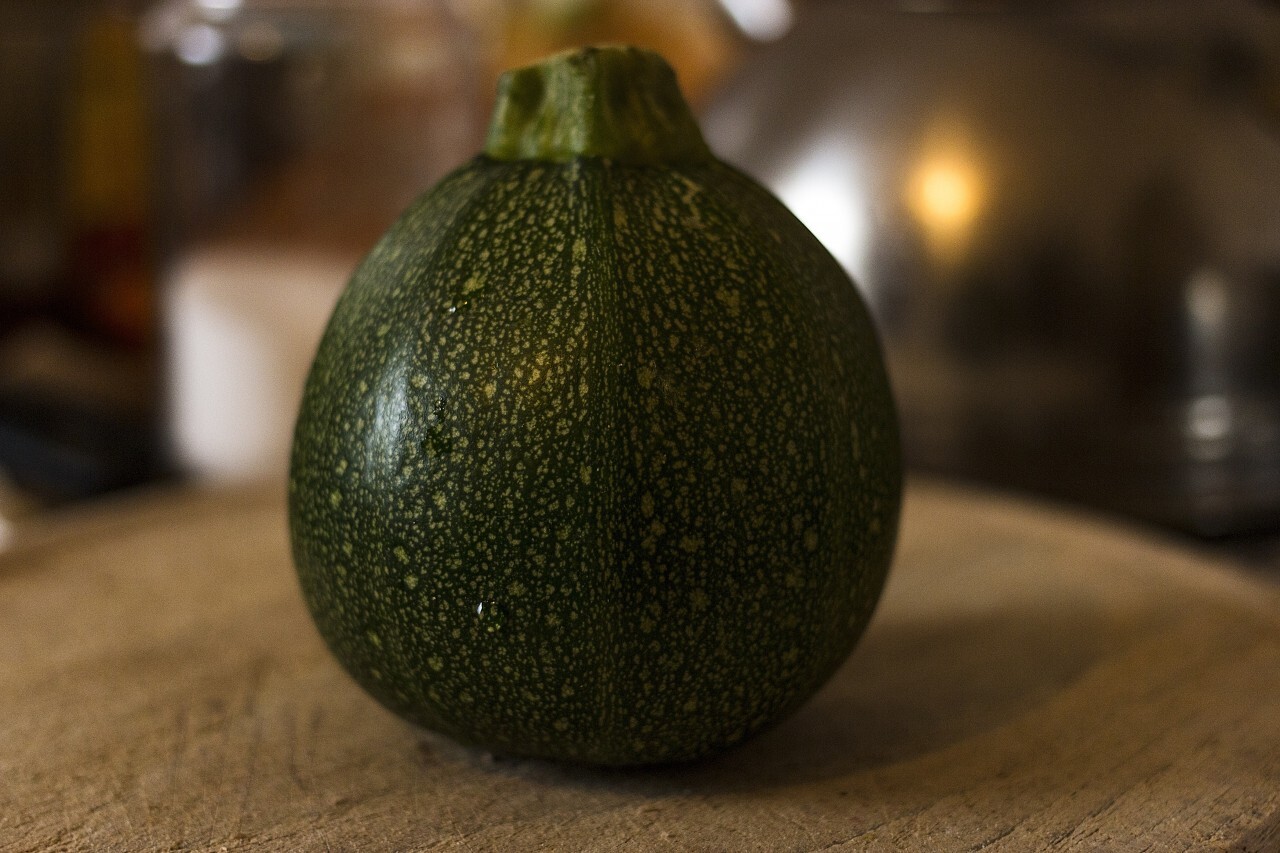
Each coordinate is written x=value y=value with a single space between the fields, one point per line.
x=596 y=462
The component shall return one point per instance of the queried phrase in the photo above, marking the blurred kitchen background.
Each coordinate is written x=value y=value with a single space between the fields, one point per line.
x=1065 y=217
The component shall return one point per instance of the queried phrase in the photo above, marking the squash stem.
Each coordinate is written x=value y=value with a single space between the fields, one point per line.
x=617 y=102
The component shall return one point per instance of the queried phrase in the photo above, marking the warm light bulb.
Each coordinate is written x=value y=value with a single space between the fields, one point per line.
x=946 y=195
x=945 y=191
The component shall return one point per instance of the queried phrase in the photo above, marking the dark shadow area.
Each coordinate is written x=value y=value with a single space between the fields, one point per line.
x=910 y=688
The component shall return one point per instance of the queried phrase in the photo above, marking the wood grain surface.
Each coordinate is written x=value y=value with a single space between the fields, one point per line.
x=1032 y=681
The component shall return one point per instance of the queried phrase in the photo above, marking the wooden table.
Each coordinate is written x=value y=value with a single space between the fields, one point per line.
x=1032 y=681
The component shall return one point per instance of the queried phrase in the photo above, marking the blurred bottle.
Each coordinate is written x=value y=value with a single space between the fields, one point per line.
x=79 y=392
x=111 y=294
x=293 y=133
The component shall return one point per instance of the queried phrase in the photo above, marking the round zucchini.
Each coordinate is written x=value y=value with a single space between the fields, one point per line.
x=597 y=460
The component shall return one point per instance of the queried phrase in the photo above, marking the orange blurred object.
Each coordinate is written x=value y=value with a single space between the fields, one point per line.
x=695 y=38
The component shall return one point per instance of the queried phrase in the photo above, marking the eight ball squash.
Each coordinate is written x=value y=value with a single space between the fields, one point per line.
x=597 y=460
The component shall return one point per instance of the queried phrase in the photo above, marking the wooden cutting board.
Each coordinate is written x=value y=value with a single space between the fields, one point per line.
x=1033 y=680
